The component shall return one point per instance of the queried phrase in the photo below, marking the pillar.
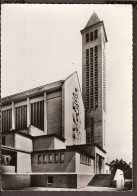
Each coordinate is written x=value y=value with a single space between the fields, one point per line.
x=13 y=116
x=45 y=113
x=28 y=112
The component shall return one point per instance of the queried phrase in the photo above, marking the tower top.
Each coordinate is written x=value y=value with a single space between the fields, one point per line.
x=93 y=20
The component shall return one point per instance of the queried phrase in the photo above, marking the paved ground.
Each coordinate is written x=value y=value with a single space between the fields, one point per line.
x=88 y=188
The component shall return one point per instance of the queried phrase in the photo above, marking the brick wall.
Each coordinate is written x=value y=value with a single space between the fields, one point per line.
x=9 y=141
x=59 y=180
x=67 y=166
x=43 y=143
x=15 y=181
x=54 y=113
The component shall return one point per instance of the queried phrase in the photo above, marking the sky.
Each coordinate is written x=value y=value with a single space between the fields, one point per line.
x=42 y=43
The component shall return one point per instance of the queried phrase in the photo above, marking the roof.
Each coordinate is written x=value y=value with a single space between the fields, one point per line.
x=32 y=137
x=32 y=92
x=93 y=22
x=8 y=148
x=83 y=145
x=93 y=19
x=36 y=91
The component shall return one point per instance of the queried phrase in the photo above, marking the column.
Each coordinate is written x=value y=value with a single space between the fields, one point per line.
x=13 y=116
x=28 y=112
x=45 y=113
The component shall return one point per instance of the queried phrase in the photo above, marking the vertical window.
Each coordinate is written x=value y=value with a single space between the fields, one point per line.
x=87 y=78
x=80 y=158
x=91 y=78
x=96 y=75
x=96 y=33
x=87 y=37
x=50 y=158
x=6 y=120
x=92 y=130
x=39 y=158
x=104 y=82
x=91 y=36
x=3 y=140
x=56 y=158
x=62 y=157
x=21 y=117
x=44 y=158
x=88 y=137
x=37 y=114
x=50 y=180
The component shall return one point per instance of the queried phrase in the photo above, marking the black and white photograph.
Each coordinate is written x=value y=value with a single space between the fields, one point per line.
x=66 y=88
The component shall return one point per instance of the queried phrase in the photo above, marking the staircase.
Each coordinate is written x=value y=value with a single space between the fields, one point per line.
x=101 y=180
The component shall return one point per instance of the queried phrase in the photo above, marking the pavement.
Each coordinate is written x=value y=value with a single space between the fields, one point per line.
x=88 y=188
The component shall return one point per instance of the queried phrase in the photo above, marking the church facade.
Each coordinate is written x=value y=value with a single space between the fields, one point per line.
x=54 y=135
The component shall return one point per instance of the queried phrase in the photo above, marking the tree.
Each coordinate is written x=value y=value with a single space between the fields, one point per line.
x=122 y=165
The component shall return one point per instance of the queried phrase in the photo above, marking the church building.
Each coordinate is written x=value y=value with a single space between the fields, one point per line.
x=54 y=135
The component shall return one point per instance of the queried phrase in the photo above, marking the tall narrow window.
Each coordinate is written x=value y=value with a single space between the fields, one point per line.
x=3 y=140
x=104 y=82
x=50 y=158
x=55 y=158
x=62 y=157
x=44 y=158
x=37 y=114
x=6 y=120
x=92 y=130
x=96 y=34
x=91 y=78
x=87 y=37
x=88 y=137
x=91 y=36
x=21 y=117
x=87 y=78
x=96 y=75
x=39 y=158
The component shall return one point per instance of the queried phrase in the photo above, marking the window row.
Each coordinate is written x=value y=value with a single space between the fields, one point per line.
x=93 y=35
x=37 y=114
x=85 y=160
x=50 y=158
x=87 y=77
x=37 y=117
x=92 y=77
x=21 y=117
x=104 y=82
x=6 y=120
x=90 y=132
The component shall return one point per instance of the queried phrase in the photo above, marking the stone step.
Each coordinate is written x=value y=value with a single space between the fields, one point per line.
x=101 y=180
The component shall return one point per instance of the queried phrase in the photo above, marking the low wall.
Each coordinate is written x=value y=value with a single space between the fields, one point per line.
x=15 y=181
x=7 y=169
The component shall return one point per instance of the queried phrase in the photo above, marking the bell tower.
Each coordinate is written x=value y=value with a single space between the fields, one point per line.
x=94 y=79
